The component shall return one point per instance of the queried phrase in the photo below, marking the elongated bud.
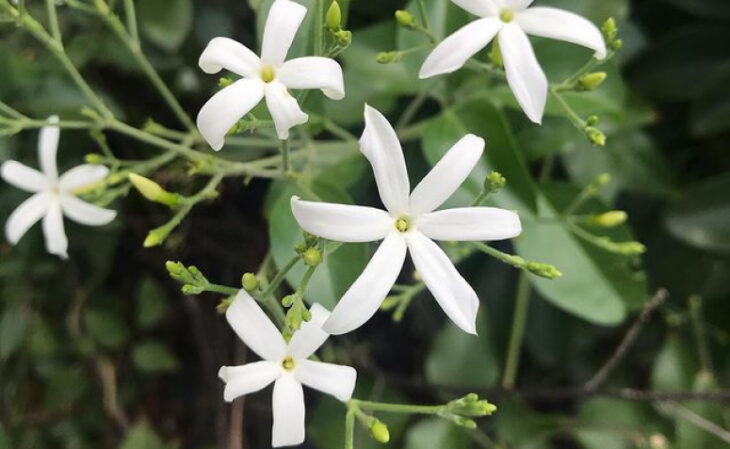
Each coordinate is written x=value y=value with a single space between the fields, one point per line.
x=592 y=120
x=494 y=182
x=609 y=219
x=593 y=80
x=156 y=237
x=152 y=191
x=617 y=44
x=609 y=29
x=333 y=18
x=344 y=38
x=312 y=257
x=386 y=57
x=102 y=6
x=250 y=282
x=596 y=136
x=379 y=431
x=405 y=19
x=543 y=270
x=495 y=54
x=189 y=289
x=631 y=248
x=224 y=82
x=94 y=158
x=287 y=300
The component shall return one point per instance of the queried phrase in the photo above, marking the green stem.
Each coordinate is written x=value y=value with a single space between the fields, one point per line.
x=131 y=19
x=319 y=28
x=280 y=276
x=510 y=259
x=424 y=15
x=396 y=408
x=698 y=325
x=350 y=429
x=284 y=146
x=53 y=21
x=222 y=289
x=569 y=111
x=519 y=322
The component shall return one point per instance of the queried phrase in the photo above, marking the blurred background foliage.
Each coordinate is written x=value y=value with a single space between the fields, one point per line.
x=104 y=351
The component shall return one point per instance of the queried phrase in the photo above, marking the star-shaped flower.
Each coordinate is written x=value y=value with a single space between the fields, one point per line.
x=53 y=195
x=511 y=21
x=409 y=223
x=287 y=365
x=268 y=77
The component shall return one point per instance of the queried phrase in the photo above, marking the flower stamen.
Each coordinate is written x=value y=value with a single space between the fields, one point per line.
x=506 y=15
x=288 y=364
x=267 y=74
x=402 y=224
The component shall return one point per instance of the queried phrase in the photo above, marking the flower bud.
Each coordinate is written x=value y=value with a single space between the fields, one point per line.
x=176 y=269
x=495 y=54
x=224 y=82
x=405 y=19
x=287 y=300
x=312 y=257
x=465 y=422
x=631 y=248
x=543 y=270
x=617 y=44
x=344 y=38
x=386 y=57
x=596 y=136
x=250 y=282
x=333 y=18
x=152 y=191
x=94 y=158
x=601 y=180
x=379 y=431
x=189 y=289
x=609 y=29
x=592 y=120
x=609 y=219
x=156 y=237
x=494 y=182
x=593 y=80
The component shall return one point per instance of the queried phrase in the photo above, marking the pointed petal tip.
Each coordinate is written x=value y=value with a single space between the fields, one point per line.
x=223 y=373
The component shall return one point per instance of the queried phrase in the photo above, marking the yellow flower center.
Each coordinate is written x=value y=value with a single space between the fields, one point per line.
x=267 y=74
x=506 y=16
x=288 y=364
x=402 y=224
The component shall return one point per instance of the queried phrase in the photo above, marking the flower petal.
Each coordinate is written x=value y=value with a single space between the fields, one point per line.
x=447 y=175
x=335 y=380
x=314 y=72
x=284 y=108
x=224 y=53
x=289 y=412
x=342 y=222
x=310 y=335
x=53 y=229
x=452 y=292
x=86 y=213
x=379 y=143
x=470 y=224
x=517 y=5
x=362 y=299
x=563 y=25
x=524 y=74
x=453 y=52
x=245 y=379
x=23 y=177
x=481 y=8
x=254 y=328
x=48 y=147
x=227 y=107
x=285 y=18
x=25 y=216
x=82 y=176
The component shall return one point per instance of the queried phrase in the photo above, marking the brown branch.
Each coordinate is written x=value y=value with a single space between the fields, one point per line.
x=108 y=377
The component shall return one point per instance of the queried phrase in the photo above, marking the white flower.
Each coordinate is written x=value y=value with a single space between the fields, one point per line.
x=287 y=365
x=53 y=195
x=409 y=223
x=267 y=77
x=510 y=20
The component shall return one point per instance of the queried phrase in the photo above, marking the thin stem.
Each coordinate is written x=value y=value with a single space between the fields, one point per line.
x=396 y=408
x=698 y=324
x=517 y=335
x=350 y=429
x=222 y=289
x=284 y=147
x=424 y=15
x=131 y=19
x=280 y=276
x=569 y=111
x=53 y=21
x=319 y=28
x=510 y=259
x=6 y=109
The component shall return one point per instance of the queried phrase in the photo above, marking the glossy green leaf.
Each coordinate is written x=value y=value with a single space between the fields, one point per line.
x=151 y=303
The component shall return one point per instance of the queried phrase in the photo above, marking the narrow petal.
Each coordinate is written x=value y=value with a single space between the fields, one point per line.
x=342 y=222
x=310 y=335
x=285 y=18
x=224 y=53
x=452 y=292
x=335 y=380
x=379 y=143
x=23 y=177
x=365 y=295
x=566 y=26
x=470 y=224
x=254 y=328
x=314 y=73
x=25 y=216
x=524 y=74
x=481 y=8
x=453 y=52
x=249 y=378
x=82 y=176
x=226 y=108
x=447 y=175
x=283 y=107
x=86 y=213
x=289 y=412
x=48 y=147
x=53 y=229
x=517 y=5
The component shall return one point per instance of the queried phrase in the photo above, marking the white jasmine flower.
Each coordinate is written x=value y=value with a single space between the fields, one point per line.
x=267 y=77
x=53 y=195
x=409 y=223
x=509 y=20
x=287 y=365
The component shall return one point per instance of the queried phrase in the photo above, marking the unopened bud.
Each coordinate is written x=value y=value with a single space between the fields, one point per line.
x=617 y=44
x=609 y=219
x=379 y=431
x=333 y=18
x=494 y=182
x=405 y=19
x=495 y=54
x=294 y=318
x=609 y=29
x=592 y=120
x=596 y=136
x=189 y=289
x=175 y=269
x=94 y=158
x=250 y=282
x=386 y=57
x=601 y=180
x=287 y=300
x=156 y=237
x=344 y=38
x=543 y=270
x=465 y=422
x=224 y=82
x=152 y=191
x=312 y=257
x=631 y=248
x=593 y=80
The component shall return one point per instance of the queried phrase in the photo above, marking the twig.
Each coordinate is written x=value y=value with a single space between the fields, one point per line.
x=699 y=421
x=600 y=377
x=108 y=377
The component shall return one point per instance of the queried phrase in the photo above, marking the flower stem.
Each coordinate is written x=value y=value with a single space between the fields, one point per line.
x=280 y=276
x=284 y=146
x=396 y=408
x=53 y=21
x=518 y=332
x=350 y=429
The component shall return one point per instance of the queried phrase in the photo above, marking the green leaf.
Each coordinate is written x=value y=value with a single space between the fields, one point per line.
x=143 y=436
x=674 y=366
x=105 y=328
x=166 y=23
x=689 y=435
x=151 y=303
x=521 y=428
x=611 y=424
x=13 y=327
x=63 y=388
x=435 y=433
x=154 y=357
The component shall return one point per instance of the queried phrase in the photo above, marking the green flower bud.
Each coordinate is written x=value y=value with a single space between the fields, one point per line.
x=592 y=120
x=593 y=80
x=152 y=191
x=312 y=257
x=543 y=270
x=495 y=54
x=287 y=300
x=379 y=431
x=596 y=136
x=609 y=29
x=116 y=178
x=306 y=315
x=176 y=269
x=250 y=282
x=602 y=180
x=386 y=57
x=189 y=289
x=224 y=82
x=156 y=237
x=94 y=158
x=617 y=44
x=333 y=18
x=631 y=248
x=465 y=422
x=344 y=38
x=294 y=318
x=405 y=19
x=494 y=182
x=609 y=219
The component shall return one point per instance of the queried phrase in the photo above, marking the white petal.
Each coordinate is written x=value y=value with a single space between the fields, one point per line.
x=48 y=147
x=342 y=222
x=224 y=53
x=335 y=380
x=285 y=18
x=365 y=295
x=254 y=328
x=452 y=292
x=227 y=107
x=563 y=25
x=245 y=379
x=288 y=408
x=453 y=52
x=25 y=216
x=470 y=224
x=314 y=72
x=310 y=335
x=379 y=143
x=481 y=8
x=524 y=74
x=53 y=229
x=23 y=177
x=284 y=108
x=86 y=213
x=447 y=175
x=82 y=176
x=517 y=5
